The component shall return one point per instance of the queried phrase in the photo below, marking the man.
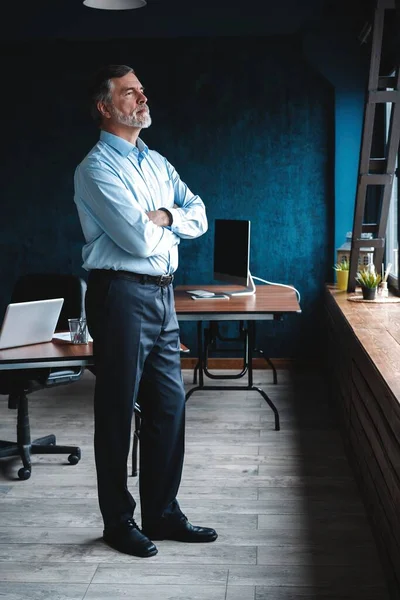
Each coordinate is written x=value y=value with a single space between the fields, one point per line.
x=134 y=209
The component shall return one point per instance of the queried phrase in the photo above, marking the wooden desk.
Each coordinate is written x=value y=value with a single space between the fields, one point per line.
x=362 y=367
x=57 y=353
x=268 y=303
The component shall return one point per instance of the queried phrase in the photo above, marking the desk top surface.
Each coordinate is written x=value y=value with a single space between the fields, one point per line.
x=54 y=351
x=268 y=299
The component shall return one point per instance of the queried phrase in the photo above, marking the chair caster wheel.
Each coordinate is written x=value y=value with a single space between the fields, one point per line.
x=73 y=459
x=24 y=473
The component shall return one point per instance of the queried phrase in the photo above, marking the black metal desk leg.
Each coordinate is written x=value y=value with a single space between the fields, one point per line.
x=273 y=369
x=250 y=385
x=201 y=352
x=200 y=362
x=251 y=331
x=196 y=368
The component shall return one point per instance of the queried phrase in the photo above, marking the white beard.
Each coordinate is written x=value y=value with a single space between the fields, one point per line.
x=138 y=118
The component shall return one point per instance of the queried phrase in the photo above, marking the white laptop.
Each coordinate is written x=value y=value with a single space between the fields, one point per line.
x=30 y=322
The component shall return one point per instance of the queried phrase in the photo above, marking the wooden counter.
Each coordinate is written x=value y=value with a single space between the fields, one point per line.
x=363 y=366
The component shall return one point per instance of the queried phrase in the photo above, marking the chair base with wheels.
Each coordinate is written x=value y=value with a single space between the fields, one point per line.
x=24 y=447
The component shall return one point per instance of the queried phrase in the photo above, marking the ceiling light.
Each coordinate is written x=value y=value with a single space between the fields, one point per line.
x=115 y=4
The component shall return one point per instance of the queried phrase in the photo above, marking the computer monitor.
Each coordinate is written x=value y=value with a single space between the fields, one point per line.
x=232 y=254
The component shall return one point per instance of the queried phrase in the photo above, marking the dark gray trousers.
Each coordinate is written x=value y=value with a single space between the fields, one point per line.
x=136 y=345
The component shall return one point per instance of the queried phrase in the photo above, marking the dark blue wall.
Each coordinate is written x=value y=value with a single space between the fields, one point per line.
x=247 y=122
x=345 y=64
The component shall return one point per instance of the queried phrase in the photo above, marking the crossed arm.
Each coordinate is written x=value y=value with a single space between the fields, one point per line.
x=112 y=209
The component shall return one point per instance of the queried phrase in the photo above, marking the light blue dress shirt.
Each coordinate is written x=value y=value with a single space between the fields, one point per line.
x=115 y=185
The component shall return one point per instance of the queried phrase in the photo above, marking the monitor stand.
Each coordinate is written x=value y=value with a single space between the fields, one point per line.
x=250 y=290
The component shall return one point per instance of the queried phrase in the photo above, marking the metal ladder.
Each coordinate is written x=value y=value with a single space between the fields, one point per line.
x=376 y=171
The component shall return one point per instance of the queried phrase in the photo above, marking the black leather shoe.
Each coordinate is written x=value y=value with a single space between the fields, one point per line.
x=180 y=530
x=128 y=538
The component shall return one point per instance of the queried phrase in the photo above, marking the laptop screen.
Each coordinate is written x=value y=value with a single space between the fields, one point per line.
x=28 y=323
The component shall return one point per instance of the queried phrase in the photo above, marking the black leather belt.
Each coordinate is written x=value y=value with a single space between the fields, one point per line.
x=160 y=280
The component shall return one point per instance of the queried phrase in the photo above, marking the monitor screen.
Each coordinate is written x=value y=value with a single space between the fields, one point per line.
x=232 y=251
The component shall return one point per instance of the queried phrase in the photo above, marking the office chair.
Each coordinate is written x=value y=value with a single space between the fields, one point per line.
x=18 y=384
x=138 y=420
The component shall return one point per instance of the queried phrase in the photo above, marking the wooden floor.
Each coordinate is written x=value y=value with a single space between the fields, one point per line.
x=290 y=521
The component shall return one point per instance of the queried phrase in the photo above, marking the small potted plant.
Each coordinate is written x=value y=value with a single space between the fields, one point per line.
x=369 y=281
x=342 y=274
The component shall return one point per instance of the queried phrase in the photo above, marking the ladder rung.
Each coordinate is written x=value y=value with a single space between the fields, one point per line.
x=377 y=165
x=375 y=97
x=387 y=82
x=376 y=179
x=370 y=227
x=375 y=243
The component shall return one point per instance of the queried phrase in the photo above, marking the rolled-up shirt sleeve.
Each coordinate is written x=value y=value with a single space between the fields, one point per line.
x=189 y=212
x=118 y=214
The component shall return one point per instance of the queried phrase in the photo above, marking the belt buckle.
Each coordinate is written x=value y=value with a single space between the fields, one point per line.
x=160 y=280
x=164 y=280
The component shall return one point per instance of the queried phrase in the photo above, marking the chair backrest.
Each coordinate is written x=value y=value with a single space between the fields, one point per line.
x=41 y=286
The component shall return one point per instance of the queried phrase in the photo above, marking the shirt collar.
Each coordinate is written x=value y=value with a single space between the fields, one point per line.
x=123 y=146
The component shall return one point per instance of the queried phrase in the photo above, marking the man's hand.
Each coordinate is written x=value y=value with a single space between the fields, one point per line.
x=158 y=217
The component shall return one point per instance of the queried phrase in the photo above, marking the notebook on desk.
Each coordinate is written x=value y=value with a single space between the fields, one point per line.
x=28 y=323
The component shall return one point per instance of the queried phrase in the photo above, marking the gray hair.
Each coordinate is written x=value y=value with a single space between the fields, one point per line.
x=100 y=88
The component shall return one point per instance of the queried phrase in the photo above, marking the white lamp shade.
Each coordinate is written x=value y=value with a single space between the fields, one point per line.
x=115 y=4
